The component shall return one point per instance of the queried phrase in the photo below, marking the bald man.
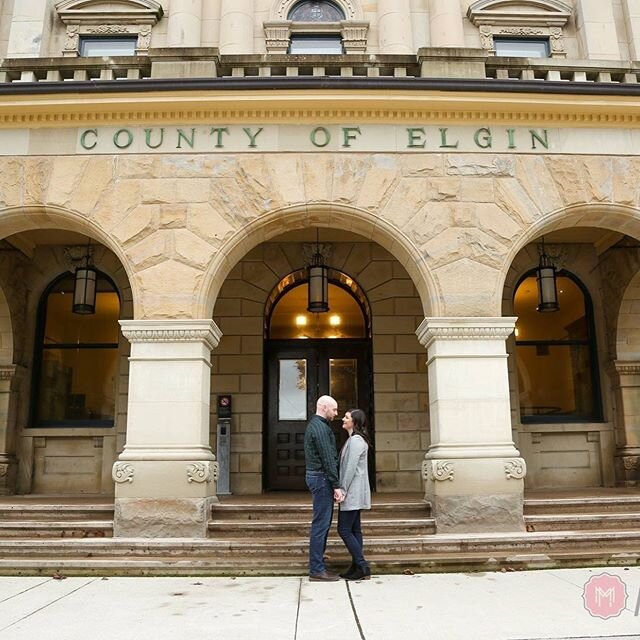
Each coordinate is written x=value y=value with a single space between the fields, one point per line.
x=321 y=458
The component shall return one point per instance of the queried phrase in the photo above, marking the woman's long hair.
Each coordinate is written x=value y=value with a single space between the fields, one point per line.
x=359 y=419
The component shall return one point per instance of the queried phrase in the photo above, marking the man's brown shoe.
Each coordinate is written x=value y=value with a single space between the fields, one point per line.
x=325 y=576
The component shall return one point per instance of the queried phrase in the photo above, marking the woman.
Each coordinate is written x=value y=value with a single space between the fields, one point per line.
x=354 y=482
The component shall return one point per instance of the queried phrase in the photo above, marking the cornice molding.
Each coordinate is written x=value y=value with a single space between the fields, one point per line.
x=464 y=329
x=167 y=331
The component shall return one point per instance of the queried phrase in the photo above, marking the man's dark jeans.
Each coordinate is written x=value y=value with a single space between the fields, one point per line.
x=350 y=530
x=322 y=496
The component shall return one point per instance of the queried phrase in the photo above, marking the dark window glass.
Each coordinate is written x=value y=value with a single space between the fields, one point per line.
x=521 y=47
x=313 y=11
x=77 y=363
x=91 y=47
x=556 y=355
x=311 y=44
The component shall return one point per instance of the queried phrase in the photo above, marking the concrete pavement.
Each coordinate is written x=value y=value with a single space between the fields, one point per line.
x=474 y=606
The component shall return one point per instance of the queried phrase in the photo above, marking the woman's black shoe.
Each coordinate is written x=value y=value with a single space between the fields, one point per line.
x=361 y=573
x=349 y=572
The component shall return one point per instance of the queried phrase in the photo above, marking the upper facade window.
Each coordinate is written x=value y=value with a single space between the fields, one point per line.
x=528 y=28
x=522 y=47
x=316 y=27
x=99 y=28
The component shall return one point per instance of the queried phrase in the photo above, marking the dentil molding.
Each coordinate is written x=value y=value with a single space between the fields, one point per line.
x=464 y=329
x=167 y=331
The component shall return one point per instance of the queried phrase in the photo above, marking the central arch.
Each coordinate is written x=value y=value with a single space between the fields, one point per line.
x=324 y=215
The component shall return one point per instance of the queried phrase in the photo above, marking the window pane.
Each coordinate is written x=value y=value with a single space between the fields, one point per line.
x=314 y=11
x=292 y=390
x=556 y=381
x=77 y=384
x=521 y=48
x=569 y=323
x=108 y=46
x=343 y=387
x=62 y=326
x=290 y=318
x=316 y=44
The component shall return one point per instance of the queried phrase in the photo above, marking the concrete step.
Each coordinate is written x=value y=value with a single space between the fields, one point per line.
x=259 y=511
x=579 y=521
x=207 y=557
x=585 y=505
x=26 y=511
x=59 y=529
x=251 y=529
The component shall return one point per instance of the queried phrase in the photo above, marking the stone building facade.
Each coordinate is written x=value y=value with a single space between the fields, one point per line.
x=197 y=155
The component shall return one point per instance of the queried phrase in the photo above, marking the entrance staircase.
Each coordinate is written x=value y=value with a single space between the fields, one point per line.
x=267 y=535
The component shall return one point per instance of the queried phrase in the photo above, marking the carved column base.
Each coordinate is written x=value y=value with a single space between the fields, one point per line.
x=475 y=495
x=8 y=475
x=164 y=498
x=627 y=467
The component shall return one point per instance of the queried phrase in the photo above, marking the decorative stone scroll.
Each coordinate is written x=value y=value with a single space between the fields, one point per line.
x=202 y=472
x=4 y=469
x=515 y=469
x=521 y=18
x=122 y=472
x=437 y=470
x=631 y=463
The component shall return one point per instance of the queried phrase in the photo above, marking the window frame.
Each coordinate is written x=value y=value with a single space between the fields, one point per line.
x=40 y=347
x=95 y=38
x=513 y=39
x=592 y=345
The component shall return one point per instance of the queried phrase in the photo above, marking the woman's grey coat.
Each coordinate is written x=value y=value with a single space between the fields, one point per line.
x=354 y=475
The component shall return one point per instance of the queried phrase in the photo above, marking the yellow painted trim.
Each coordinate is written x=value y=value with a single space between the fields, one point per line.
x=287 y=107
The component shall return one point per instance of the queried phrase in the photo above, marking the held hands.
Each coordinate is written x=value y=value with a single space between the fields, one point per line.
x=339 y=495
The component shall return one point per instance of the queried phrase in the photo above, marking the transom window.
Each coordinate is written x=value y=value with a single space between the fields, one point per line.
x=522 y=47
x=556 y=354
x=316 y=44
x=76 y=358
x=314 y=11
x=98 y=47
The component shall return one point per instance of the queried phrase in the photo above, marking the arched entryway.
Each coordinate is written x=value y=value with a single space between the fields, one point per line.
x=309 y=354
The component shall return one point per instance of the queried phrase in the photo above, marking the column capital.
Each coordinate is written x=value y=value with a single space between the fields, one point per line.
x=627 y=367
x=168 y=331
x=460 y=328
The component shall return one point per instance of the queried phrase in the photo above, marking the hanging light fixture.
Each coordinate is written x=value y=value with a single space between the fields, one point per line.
x=546 y=280
x=318 y=282
x=84 y=290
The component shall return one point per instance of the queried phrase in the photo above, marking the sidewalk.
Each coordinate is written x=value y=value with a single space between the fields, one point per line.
x=491 y=606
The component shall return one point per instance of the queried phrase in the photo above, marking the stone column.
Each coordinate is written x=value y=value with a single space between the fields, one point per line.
x=445 y=24
x=28 y=31
x=8 y=462
x=474 y=474
x=627 y=456
x=165 y=477
x=185 y=23
x=394 y=26
x=597 y=30
x=631 y=9
x=236 y=26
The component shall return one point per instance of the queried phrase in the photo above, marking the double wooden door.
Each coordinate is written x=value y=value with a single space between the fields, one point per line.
x=298 y=373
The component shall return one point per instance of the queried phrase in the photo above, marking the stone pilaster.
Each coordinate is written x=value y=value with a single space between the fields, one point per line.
x=474 y=475
x=394 y=26
x=165 y=477
x=445 y=24
x=185 y=23
x=236 y=26
x=627 y=456
x=8 y=461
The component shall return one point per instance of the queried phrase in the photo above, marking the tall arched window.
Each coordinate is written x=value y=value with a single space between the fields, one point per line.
x=76 y=358
x=556 y=354
x=324 y=41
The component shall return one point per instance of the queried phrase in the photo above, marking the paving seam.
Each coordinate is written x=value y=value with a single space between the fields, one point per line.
x=86 y=584
x=35 y=586
x=355 y=613
x=295 y=632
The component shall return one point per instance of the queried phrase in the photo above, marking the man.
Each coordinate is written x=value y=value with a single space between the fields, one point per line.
x=322 y=479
